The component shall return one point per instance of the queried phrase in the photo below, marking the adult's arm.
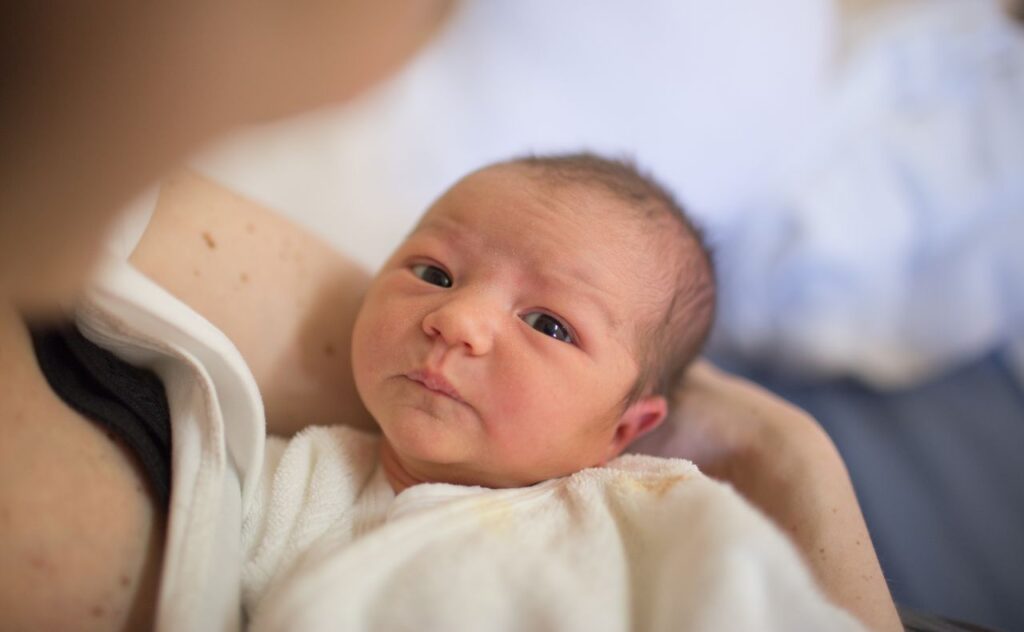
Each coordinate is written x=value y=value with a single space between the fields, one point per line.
x=781 y=460
x=81 y=534
x=285 y=298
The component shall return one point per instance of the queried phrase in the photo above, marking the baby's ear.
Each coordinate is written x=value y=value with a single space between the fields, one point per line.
x=640 y=418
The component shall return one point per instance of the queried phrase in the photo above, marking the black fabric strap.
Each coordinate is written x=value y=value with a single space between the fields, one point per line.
x=128 y=401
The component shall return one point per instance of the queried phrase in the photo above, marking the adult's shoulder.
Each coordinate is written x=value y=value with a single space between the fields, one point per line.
x=283 y=296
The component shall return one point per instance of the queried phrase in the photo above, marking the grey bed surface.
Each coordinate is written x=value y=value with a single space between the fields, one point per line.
x=939 y=472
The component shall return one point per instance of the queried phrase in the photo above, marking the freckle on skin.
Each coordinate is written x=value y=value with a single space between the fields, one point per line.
x=125 y=580
x=195 y=273
x=329 y=349
x=208 y=238
x=244 y=277
x=98 y=611
x=250 y=228
x=822 y=551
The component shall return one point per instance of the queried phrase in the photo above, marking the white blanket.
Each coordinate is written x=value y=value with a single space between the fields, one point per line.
x=642 y=544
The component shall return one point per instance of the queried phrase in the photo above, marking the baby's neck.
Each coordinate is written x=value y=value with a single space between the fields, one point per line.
x=399 y=478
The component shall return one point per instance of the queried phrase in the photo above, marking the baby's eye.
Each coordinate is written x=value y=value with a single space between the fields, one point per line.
x=432 y=274
x=549 y=326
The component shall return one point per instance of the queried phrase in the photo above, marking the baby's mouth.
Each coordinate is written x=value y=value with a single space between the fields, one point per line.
x=433 y=381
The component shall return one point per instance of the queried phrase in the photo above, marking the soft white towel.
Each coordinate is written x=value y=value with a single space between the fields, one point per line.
x=322 y=480
x=642 y=544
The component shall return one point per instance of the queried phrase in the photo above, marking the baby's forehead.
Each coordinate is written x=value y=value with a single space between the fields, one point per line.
x=530 y=192
x=573 y=243
x=529 y=196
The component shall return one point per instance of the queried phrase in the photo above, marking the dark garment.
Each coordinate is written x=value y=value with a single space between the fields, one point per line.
x=128 y=401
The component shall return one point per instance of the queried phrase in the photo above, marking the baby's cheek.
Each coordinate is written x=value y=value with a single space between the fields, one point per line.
x=530 y=403
x=374 y=327
x=368 y=352
x=509 y=390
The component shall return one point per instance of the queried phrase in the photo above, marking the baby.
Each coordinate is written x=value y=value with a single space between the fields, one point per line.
x=526 y=331
x=531 y=324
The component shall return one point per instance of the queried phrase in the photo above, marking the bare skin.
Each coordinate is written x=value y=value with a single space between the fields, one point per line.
x=80 y=535
x=284 y=297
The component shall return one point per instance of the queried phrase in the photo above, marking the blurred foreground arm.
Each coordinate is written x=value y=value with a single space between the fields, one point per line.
x=781 y=460
x=99 y=99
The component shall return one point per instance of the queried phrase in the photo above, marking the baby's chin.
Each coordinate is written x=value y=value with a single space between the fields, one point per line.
x=434 y=465
x=423 y=446
x=446 y=451
x=431 y=461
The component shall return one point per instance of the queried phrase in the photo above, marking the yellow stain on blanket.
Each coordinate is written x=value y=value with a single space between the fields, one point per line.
x=493 y=515
x=657 y=486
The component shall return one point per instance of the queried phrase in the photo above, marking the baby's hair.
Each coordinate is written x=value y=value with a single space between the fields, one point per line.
x=669 y=343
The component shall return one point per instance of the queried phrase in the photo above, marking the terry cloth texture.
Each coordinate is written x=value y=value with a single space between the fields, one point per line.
x=128 y=401
x=641 y=544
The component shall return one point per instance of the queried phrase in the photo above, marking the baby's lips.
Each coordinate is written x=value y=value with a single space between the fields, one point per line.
x=436 y=382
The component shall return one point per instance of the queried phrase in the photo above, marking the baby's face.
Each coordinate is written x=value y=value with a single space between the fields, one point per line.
x=495 y=347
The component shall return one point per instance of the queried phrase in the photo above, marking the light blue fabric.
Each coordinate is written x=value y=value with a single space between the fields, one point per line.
x=891 y=247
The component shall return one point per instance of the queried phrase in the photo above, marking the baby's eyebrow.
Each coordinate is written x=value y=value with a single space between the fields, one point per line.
x=452 y=232
x=572 y=280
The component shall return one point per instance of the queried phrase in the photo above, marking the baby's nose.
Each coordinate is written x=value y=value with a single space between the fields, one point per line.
x=462 y=323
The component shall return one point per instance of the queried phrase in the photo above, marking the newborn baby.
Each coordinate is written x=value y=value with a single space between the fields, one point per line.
x=524 y=334
x=531 y=324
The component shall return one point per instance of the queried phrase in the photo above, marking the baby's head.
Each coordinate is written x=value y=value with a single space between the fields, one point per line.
x=532 y=323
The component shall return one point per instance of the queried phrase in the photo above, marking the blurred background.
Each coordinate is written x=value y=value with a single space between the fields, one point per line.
x=859 y=168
